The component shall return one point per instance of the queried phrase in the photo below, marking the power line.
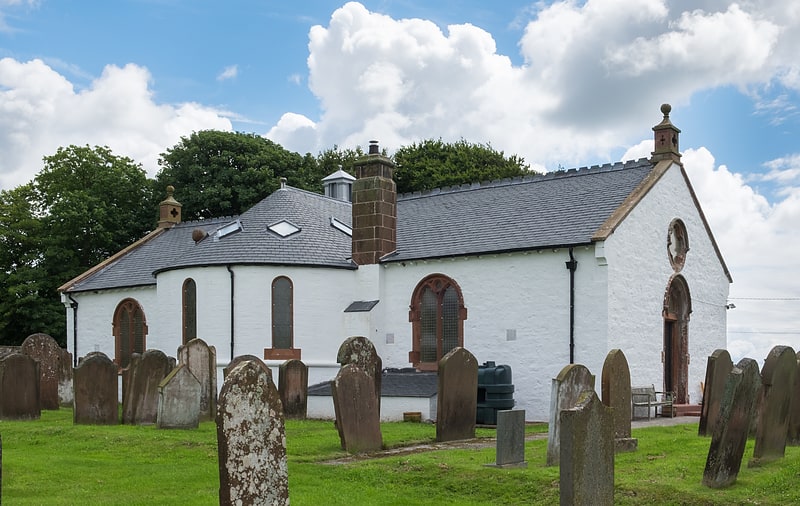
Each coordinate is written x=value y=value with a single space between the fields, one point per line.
x=763 y=298
x=788 y=332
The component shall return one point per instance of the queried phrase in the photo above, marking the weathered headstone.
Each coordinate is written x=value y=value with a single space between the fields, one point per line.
x=510 y=439
x=179 y=400
x=201 y=360
x=777 y=376
x=96 y=399
x=793 y=436
x=718 y=368
x=357 y=416
x=45 y=350
x=140 y=402
x=251 y=439
x=65 y=387
x=616 y=393
x=752 y=376
x=244 y=358
x=586 y=462
x=293 y=387
x=19 y=388
x=457 y=399
x=729 y=433
x=566 y=389
x=360 y=351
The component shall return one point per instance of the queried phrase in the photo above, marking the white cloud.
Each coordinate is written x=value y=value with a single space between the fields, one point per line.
x=41 y=111
x=229 y=72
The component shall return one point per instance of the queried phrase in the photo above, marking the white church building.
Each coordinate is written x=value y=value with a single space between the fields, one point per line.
x=534 y=273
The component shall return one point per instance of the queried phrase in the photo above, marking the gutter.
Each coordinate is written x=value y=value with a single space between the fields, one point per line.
x=74 y=305
x=572 y=265
x=232 y=307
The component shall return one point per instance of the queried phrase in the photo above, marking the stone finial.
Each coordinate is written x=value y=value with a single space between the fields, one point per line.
x=666 y=138
x=169 y=210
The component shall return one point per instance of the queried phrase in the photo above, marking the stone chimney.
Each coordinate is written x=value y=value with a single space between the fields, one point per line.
x=374 y=207
x=169 y=210
x=666 y=136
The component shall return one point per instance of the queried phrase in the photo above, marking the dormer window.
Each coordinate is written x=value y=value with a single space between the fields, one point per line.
x=283 y=228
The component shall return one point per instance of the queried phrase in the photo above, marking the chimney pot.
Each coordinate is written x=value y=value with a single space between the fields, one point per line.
x=374 y=149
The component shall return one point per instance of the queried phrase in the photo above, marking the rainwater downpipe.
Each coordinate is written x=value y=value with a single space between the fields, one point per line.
x=74 y=305
x=572 y=264
x=232 y=307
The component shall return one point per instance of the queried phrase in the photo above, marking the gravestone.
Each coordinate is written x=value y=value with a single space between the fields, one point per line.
x=201 y=360
x=729 y=433
x=140 y=399
x=586 y=460
x=355 y=404
x=244 y=358
x=510 y=439
x=179 y=400
x=793 y=435
x=45 y=350
x=752 y=376
x=65 y=376
x=19 y=388
x=457 y=398
x=616 y=393
x=718 y=368
x=777 y=376
x=293 y=387
x=96 y=397
x=566 y=389
x=251 y=439
x=360 y=351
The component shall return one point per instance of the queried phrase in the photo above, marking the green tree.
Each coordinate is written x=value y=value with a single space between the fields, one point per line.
x=435 y=164
x=225 y=173
x=85 y=205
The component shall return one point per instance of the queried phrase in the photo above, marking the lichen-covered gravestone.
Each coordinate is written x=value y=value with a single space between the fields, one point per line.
x=201 y=360
x=729 y=433
x=360 y=351
x=45 y=350
x=793 y=436
x=244 y=358
x=293 y=387
x=752 y=376
x=457 y=399
x=19 y=388
x=179 y=400
x=96 y=399
x=567 y=387
x=356 y=407
x=251 y=439
x=586 y=462
x=140 y=402
x=773 y=421
x=616 y=393
x=718 y=368
x=65 y=376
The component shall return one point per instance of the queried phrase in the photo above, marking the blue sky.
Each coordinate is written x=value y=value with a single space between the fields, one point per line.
x=560 y=83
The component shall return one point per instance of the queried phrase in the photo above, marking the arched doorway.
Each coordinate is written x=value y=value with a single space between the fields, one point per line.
x=130 y=331
x=677 y=308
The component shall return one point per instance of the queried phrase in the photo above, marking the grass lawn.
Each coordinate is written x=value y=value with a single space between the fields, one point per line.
x=52 y=461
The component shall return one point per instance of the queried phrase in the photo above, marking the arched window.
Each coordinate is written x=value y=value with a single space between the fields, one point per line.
x=130 y=331
x=189 y=304
x=437 y=317
x=282 y=321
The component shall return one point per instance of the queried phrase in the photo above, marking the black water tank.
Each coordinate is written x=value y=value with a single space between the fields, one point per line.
x=495 y=392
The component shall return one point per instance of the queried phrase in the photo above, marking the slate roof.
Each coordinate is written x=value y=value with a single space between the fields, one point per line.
x=555 y=209
x=541 y=211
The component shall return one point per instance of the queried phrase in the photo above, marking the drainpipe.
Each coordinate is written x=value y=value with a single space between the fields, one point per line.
x=74 y=305
x=572 y=264
x=232 y=306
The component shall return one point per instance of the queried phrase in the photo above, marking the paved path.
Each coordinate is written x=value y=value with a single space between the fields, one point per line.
x=664 y=421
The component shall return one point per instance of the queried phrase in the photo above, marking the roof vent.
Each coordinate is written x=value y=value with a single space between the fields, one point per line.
x=198 y=235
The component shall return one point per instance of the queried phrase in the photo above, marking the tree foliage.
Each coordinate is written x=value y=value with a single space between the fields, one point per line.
x=225 y=173
x=85 y=205
x=435 y=164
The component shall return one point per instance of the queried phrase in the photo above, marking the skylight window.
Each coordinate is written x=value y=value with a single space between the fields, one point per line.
x=283 y=228
x=340 y=225
x=230 y=228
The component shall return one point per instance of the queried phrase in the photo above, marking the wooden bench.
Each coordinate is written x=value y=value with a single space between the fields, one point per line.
x=648 y=397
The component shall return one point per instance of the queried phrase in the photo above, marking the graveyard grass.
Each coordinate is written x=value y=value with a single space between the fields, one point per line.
x=52 y=461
